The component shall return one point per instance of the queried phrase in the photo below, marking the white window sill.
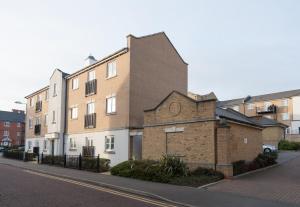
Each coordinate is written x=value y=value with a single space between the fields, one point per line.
x=109 y=152
x=73 y=149
x=107 y=78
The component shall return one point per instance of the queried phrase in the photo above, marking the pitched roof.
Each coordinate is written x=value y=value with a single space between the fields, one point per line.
x=266 y=122
x=12 y=116
x=265 y=97
x=235 y=116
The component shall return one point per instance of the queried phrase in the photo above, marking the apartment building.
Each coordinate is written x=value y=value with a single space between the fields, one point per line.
x=99 y=108
x=12 y=128
x=283 y=107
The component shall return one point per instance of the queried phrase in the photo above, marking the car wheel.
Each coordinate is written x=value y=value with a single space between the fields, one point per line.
x=267 y=150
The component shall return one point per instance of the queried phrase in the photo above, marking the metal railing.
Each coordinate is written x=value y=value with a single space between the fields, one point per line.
x=37 y=129
x=91 y=87
x=38 y=106
x=90 y=120
x=263 y=110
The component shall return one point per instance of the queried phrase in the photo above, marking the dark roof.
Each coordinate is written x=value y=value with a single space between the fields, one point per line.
x=12 y=116
x=265 y=97
x=235 y=116
x=266 y=122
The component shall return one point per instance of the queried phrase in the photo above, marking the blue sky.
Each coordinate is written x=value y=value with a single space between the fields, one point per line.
x=233 y=48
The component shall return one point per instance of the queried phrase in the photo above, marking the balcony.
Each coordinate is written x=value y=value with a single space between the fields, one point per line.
x=272 y=109
x=91 y=87
x=38 y=106
x=37 y=129
x=90 y=121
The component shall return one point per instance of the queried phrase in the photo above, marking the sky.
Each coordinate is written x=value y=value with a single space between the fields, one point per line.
x=233 y=48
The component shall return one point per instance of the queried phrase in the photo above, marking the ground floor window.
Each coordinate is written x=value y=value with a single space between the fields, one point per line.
x=109 y=143
x=72 y=145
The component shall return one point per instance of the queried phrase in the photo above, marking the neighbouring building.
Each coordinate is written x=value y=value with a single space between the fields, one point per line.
x=283 y=107
x=199 y=132
x=99 y=108
x=12 y=128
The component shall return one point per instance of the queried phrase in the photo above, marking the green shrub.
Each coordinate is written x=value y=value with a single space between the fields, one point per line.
x=200 y=171
x=287 y=145
x=173 y=166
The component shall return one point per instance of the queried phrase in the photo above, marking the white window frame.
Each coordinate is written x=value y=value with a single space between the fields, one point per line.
x=29 y=144
x=284 y=102
x=91 y=75
x=6 y=133
x=18 y=134
x=250 y=106
x=75 y=83
x=54 y=90
x=236 y=108
x=6 y=124
x=267 y=104
x=53 y=117
x=74 y=113
x=109 y=143
x=111 y=104
x=19 y=124
x=37 y=121
x=72 y=144
x=111 y=69
x=89 y=142
x=90 y=108
x=30 y=123
x=285 y=116
x=46 y=119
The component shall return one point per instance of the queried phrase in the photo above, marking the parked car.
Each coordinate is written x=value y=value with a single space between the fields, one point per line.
x=2 y=149
x=269 y=148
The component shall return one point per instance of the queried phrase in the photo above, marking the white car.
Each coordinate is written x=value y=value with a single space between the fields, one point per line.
x=269 y=148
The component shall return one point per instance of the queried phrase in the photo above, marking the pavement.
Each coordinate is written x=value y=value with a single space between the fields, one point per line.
x=213 y=196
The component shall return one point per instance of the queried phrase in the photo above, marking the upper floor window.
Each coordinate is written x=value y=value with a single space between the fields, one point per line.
x=91 y=75
x=109 y=143
x=75 y=83
x=47 y=94
x=91 y=108
x=111 y=70
x=74 y=113
x=285 y=102
x=31 y=102
x=6 y=123
x=46 y=120
x=5 y=133
x=30 y=123
x=53 y=117
x=236 y=108
x=39 y=98
x=18 y=134
x=111 y=104
x=250 y=106
x=54 y=90
x=18 y=124
x=285 y=116
x=37 y=121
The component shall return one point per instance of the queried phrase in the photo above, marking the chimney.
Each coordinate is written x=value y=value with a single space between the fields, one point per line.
x=89 y=60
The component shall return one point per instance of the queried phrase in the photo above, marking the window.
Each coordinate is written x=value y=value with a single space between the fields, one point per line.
x=88 y=142
x=7 y=124
x=285 y=116
x=54 y=90
x=39 y=98
x=5 y=133
x=46 y=95
x=29 y=144
x=288 y=130
x=91 y=75
x=37 y=121
x=111 y=104
x=72 y=143
x=45 y=144
x=236 y=108
x=266 y=105
x=30 y=123
x=53 y=117
x=250 y=106
x=18 y=124
x=46 y=120
x=109 y=143
x=111 y=70
x=75 y=83
x=285 y=102
x=91 y=108
x=74 y=113
x=30 y=102
x=18 y=134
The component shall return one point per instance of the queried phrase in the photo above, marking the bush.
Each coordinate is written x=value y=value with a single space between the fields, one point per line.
x=287 y=145
x=167 y=170
x=262 y=160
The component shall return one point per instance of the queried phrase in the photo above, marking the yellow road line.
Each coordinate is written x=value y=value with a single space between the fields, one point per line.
x=107 y=190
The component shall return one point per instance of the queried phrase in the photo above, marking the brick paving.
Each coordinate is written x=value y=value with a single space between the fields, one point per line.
x=281 y=183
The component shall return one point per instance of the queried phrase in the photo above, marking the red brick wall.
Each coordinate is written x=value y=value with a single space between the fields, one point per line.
x=13 y=129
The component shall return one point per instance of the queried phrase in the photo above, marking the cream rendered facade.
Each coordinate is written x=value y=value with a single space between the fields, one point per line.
x=144 y=72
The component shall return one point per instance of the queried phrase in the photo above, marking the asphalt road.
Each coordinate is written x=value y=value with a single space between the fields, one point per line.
x=23 y=188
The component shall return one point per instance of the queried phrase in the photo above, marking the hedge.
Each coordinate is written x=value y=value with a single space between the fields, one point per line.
x=288 y=145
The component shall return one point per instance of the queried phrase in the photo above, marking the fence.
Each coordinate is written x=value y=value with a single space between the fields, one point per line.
x=89 y=163
x=19 y=155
